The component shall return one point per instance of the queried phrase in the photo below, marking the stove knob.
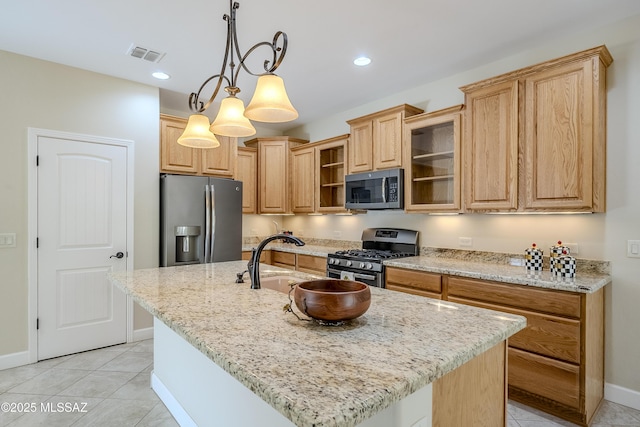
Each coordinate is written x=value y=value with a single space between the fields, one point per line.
x=333 y=261
x=369 y=266
x=362 y=265
x=330 y=261
x=348 y=263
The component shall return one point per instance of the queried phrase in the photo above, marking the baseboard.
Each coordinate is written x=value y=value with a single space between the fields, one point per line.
x=178 y=412
x=142 y=334
x=623 y=396
x=13 y=360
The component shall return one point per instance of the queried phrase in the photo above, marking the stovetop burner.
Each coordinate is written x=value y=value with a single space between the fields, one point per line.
x=373 y=253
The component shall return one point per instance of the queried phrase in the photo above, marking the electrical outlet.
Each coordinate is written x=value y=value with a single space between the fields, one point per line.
x=253 y=232
x=8 y=240
x=518 y=262
x=465 y=242
x=337 y=234
x=633 y=248
x=573 y=248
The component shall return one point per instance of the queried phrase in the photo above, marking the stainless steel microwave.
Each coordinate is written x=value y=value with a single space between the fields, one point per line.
x=383 y=189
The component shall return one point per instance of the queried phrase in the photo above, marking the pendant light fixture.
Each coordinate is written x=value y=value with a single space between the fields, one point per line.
x=269 y=103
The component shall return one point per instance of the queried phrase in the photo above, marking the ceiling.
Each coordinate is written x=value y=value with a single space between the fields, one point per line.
x=410 y=42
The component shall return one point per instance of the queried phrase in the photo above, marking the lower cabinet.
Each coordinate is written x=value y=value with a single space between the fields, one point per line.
x=300 y=262
x=556 y=363
x=414 y=282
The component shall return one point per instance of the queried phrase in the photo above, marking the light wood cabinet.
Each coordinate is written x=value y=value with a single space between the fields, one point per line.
x=247 y=172
x=317 y=176
x=432 y=161
x=535 y=138
x=175 y=158
x=311 y=264
x=377 y=140
x=273 y=172
x=265 y=256
x=557 y=362
x=414 y=282
x=303 y=185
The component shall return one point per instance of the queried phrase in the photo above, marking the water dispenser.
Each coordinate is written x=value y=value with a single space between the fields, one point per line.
x=187 y=243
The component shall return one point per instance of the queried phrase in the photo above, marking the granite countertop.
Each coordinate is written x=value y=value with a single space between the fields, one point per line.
x=478 y=265
x=316 y=375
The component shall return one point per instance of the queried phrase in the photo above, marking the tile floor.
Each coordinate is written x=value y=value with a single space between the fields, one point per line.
x=110 y=387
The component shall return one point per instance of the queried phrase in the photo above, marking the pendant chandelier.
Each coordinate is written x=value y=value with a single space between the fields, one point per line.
x=269 y=103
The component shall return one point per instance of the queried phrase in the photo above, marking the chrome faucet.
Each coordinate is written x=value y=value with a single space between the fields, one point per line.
x=254 y=263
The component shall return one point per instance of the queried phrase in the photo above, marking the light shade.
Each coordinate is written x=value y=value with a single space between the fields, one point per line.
x=230 y=120
x=270 y=102
x=197 y=133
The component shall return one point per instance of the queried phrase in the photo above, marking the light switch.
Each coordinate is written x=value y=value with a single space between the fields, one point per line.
x=8 y=240
x=633 y=248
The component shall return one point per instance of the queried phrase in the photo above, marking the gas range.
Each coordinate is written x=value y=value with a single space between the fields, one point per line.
x=365 y=264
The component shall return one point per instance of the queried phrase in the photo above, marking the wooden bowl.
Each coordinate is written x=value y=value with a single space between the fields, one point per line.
x=332 y=300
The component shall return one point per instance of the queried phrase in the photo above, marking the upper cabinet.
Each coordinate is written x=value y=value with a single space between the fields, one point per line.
x=376 y=140
x=317 y=176
x=432 y=161
x=175 y=158
x=247 y=172
x=273 y=172
x=534 y=138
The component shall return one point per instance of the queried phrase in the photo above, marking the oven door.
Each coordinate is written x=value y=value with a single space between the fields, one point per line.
x=369 y=278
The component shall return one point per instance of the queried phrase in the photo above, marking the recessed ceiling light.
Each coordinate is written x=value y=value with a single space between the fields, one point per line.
x=161 y=76
x=362 y=61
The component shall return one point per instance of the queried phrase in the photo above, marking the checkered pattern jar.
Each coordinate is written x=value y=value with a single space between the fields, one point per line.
x=566 y=266
x=533 y=258
x=556 y=252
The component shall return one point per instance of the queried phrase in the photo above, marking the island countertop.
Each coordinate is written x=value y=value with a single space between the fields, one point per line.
x=315 y=375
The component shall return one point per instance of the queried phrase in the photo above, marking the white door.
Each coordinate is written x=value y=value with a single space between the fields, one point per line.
x=82 y=196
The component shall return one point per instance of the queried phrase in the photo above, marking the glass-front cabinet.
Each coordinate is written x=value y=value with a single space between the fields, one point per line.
x=432 y=161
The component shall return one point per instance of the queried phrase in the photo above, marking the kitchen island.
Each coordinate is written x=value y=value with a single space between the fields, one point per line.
x=407 y=361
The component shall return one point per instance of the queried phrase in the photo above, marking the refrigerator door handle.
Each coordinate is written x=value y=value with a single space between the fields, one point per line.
x=207 y=224
x=212 y=204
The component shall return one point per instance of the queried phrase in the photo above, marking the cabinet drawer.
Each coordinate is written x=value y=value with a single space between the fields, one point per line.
x=265 y=256
x=312 y=263
x=551 y=336
x=414 y=291
x=544 y=300
x=286 y=258
x=555 y=380
x=417 y=280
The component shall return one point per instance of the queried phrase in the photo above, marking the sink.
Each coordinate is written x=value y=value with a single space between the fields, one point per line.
x=278 y=283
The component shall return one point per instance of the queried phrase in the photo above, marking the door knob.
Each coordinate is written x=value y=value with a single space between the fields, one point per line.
x=118 y=255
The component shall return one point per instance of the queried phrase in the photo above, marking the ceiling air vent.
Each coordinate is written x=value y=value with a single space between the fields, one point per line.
x=144 y=53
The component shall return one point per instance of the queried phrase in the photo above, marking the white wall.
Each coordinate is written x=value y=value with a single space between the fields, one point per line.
x=45 y=95
x=599 y=236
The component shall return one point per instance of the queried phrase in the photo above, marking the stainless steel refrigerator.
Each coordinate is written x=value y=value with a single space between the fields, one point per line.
x=200 y=220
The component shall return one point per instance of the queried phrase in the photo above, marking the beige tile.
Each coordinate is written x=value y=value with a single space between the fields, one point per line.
x=58 y=411
x=98 y=384
x=20 y=405
x=612 y=414
x=146 y=345
x=139 y=388
x=90 y=360
x=50 y=382
x=159 y=417
x=10 y=378
x=117 y=412
x=53 y=362
x=129 y=362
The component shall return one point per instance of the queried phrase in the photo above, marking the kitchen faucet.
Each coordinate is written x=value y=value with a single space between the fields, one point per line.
x=254 y=264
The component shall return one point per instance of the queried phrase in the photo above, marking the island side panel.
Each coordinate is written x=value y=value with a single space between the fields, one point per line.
x=474 y=393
